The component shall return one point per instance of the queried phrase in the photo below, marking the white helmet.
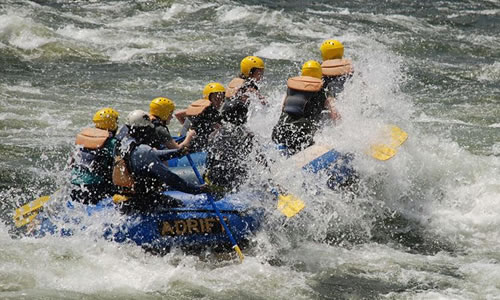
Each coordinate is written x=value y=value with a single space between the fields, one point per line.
x=139 y=118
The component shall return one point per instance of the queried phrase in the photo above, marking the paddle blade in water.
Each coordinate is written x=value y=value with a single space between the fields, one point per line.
x=392 y=138
x=290 y=205
x=382 y=152
x=398 y=136
x=26 y=213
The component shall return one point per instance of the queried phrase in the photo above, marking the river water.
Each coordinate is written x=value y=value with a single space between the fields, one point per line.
x=425 y=224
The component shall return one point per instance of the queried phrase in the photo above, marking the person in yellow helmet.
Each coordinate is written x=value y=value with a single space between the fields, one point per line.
x=336 y=69
x=214 y=92
x=302 y=109
x=161 y=110
x=92 y=165
x=246 y=86
x=203 y=114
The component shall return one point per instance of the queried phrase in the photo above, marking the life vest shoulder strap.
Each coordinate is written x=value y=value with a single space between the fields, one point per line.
x=337 y=67
x=92 y=138
x=305 y=83
x=234 y=86
x=197 y=107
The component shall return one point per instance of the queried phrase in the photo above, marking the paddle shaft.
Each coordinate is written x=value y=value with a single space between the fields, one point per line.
x=217 y=212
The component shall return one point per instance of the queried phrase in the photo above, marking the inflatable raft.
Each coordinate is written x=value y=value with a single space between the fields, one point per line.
x=192 y=224
x=314 y=159
x=199 y=159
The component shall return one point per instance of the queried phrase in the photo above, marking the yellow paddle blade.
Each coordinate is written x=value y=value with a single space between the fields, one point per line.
x=382 y=152
x=290 y=205
x=398 y=136
x=26 y=213
x=23 y=220
x=392 y=138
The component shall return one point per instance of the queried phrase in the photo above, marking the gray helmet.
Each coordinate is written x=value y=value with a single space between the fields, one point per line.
x=139 y=118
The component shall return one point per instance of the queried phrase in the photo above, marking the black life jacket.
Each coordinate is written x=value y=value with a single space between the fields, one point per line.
x=204 y=119
x=335 y=74
x=237 y=88
x=301 y=114
x=162 y=134
x=305 y=98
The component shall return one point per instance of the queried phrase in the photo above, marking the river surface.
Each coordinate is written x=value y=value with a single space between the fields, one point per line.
x=424 y=225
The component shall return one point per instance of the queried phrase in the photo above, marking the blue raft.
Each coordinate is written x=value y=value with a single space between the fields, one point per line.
x=337 y=165
x=192 y=226
x=199 y=159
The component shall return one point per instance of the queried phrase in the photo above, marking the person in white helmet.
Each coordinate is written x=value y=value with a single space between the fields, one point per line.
x=149 y=175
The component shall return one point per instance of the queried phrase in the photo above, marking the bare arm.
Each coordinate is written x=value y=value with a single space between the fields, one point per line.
x=189 y=136
x=181 y=116
x=171 y=144
x=283 y=102
x=256 y=92
x=334 y=114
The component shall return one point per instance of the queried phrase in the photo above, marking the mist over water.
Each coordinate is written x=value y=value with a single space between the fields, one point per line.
x=424 y=225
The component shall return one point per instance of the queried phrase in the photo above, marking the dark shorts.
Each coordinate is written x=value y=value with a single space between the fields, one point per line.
x=295 y=136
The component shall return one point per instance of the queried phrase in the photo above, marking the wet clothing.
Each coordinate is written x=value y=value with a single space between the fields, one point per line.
x=156 y=138
x=92 y=193
x=299 y=119
x=122 y=133
x=92 y=173
x=204 y=124
x=335 y=74
x=238 y=89
x=334 y=85
x=148 y=135
x=230 y=148
x=249 y=84
x=235 y=112
x=152 y=175
x=185 y=127
x=163 y=134
x=227 y=157
x=145 y=164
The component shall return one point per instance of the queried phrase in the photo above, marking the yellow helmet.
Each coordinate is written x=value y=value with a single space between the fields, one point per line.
x=331 y=49
x=106 y=118
x=161 y=107
x=312 y=68
x=212 y=87
x=249 y=63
